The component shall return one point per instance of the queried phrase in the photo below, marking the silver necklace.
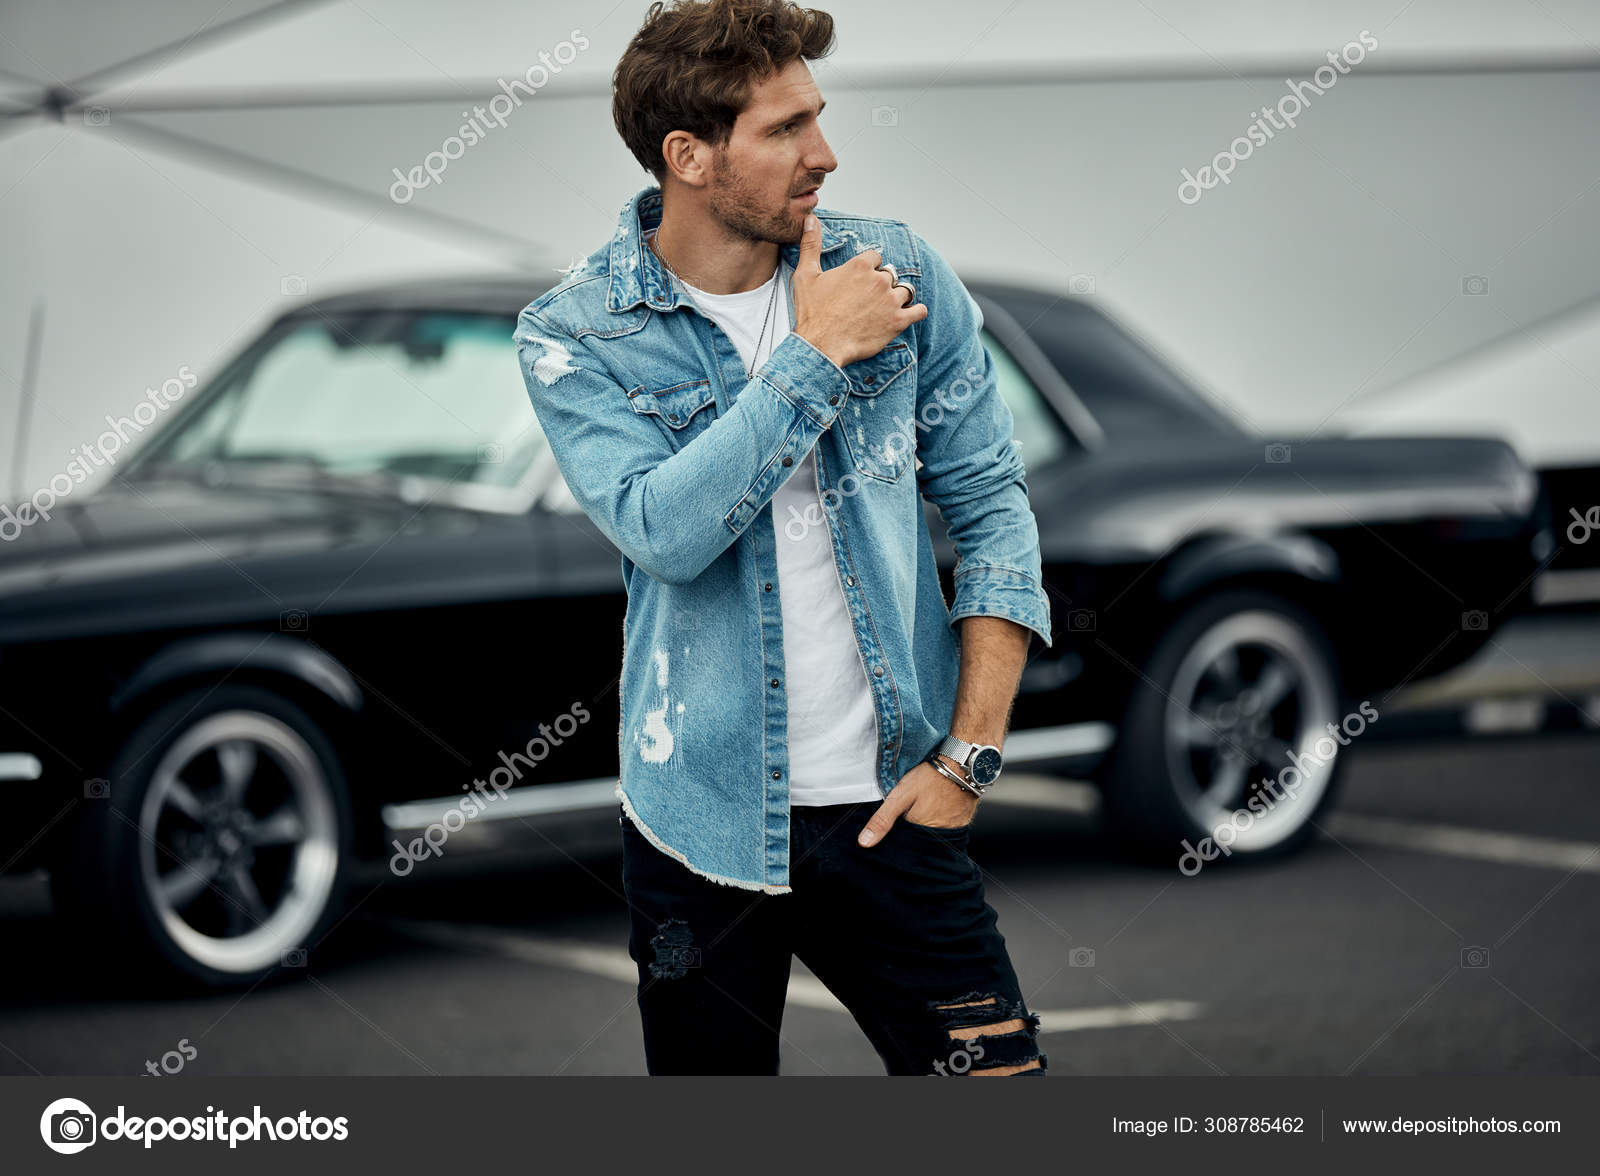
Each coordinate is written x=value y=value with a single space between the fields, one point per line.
x=750 y=372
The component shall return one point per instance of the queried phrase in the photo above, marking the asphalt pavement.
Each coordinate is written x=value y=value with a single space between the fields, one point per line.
x=1447 y=921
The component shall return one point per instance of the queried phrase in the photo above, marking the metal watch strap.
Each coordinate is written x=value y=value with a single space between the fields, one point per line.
x=970 y=756
x=956 y=749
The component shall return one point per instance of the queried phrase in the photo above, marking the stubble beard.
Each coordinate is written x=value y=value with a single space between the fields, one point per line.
x=736 y=204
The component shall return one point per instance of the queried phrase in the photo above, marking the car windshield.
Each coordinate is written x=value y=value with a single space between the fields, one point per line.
x=434 y=394
x=1133 y=394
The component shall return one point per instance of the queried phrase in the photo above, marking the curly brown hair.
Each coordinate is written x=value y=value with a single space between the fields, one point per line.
x=690 y=67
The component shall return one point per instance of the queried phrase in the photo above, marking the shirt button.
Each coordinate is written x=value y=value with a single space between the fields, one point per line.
x=869 y=381
x=776 y=775
x=877 y=671
x=673 y=417
x=788 y=461
x=850 y=580
x=774 y=682
x=769 y=588
x=833 y=400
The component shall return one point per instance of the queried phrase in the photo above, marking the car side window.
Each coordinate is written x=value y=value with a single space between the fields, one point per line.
x=1036 y=424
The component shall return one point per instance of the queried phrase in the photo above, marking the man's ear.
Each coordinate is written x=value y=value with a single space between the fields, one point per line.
x=688 y=158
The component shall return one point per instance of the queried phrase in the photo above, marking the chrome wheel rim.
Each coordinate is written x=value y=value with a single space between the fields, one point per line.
x=1250 y=691
x=238 y=841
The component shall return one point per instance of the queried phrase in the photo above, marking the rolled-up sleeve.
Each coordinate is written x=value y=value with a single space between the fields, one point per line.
x=971 y=470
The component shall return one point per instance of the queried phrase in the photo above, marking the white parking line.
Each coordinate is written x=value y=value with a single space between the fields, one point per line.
x=611 y=963
x=1147 y=1012
x=616 y=964
x=1032 y=790
x=1056 y=793
x=1485 y=845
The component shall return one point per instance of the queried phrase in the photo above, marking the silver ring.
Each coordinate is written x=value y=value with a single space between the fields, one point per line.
x=911 y=292
x=894 y=277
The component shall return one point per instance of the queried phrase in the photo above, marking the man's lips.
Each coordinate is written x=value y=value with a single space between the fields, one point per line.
x=809 y=198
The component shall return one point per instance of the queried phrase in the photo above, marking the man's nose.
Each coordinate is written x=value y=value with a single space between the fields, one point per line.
x=820 y=157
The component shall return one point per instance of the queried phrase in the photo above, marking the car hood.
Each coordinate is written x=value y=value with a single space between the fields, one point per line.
x=1135 y=502
x=164 y=552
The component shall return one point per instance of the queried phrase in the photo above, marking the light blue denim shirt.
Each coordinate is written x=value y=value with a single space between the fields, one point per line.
x=675 y=456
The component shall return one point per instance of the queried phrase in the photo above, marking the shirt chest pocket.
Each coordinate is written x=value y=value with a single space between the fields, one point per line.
x=680 y=409
x=879 y=419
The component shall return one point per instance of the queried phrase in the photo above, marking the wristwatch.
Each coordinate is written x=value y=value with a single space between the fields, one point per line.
x=980 y=761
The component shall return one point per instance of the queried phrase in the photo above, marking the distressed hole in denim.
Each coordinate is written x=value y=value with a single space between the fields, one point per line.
x=1034 y=1065
x=675 y=952
x=550 y=359
x=999 y=1029
x=995 y=1048
x=961 y=1002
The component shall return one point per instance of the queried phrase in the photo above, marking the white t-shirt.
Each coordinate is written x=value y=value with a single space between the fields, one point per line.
x=833 y=730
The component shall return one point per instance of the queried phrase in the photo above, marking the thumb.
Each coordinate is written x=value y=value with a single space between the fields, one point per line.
x=810 y=261
x=883 y=819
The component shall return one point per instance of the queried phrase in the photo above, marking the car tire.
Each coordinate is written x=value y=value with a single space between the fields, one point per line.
x=220 y=852
x=1199 y=771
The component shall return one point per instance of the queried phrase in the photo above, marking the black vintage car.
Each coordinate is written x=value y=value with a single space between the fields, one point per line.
x=341 y=608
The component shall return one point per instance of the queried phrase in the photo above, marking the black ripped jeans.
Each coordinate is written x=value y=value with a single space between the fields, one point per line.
x=900 y=933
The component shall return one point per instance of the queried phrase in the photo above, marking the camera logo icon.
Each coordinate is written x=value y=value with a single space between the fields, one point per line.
x=1579 y=529
x=885 y=116
x=67 y=1126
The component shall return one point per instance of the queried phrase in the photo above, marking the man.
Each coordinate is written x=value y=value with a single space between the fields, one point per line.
x=746 y=396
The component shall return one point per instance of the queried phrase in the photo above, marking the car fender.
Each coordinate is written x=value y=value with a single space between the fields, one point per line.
x=230 y=652
x=1219 y=558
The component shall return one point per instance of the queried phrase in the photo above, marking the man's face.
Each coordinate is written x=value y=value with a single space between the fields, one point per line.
x=764 y=179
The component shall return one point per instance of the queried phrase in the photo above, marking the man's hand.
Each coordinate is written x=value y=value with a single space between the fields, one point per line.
x=851 y=311
x=925 y=796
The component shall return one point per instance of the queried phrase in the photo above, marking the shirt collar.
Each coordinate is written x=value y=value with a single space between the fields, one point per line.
x=637 y=274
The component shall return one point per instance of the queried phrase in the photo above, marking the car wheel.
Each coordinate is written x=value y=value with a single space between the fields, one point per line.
x=221 y=849
x=1226 y=733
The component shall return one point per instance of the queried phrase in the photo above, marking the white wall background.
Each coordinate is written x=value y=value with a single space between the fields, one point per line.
x=1031 y=141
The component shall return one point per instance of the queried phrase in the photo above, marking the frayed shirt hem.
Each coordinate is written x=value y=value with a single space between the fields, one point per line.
x=650 y=836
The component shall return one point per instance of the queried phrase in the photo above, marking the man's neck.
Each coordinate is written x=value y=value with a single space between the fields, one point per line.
x=708 y=258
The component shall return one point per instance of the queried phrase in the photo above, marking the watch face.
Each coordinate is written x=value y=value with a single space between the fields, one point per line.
x=985 y=766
